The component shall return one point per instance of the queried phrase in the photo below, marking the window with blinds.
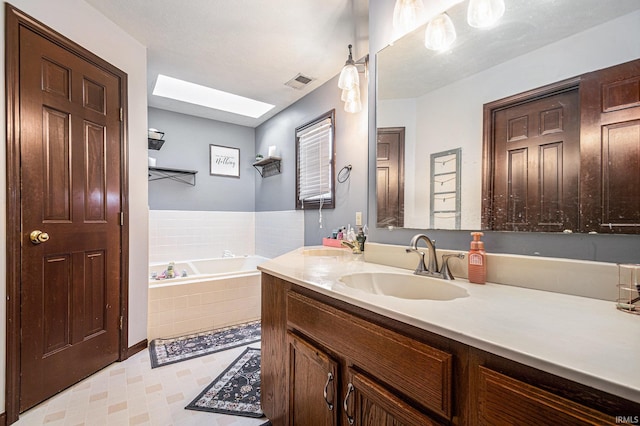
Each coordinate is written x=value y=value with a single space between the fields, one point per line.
x=315 y=166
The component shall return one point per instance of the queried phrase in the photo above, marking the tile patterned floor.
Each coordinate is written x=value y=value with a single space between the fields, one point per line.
x=131 y=393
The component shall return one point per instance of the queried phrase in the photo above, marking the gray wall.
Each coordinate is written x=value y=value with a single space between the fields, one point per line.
x=609 y=248
x=277 y=192
x=187 y=147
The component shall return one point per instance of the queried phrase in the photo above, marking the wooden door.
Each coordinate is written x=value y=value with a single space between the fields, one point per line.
x=390 y=177
x=536 y=164
x=70 y=143
x=610 y=138
x=368 y=403
x=313 y=377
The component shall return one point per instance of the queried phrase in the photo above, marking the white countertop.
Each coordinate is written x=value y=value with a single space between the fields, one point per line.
x=585 y=340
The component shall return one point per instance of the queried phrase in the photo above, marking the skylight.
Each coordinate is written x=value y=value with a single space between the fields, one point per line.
x=173 y=88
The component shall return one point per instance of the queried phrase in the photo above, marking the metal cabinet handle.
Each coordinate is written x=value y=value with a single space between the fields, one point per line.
x=350 y=389
x=38 y=237
x=326 y=387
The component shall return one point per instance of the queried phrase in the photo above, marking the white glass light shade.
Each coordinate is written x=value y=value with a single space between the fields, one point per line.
x=440 y=33
x=350 y=95
x=348 y=77
x=484 y=13
x=353 y=107
x=406 y=15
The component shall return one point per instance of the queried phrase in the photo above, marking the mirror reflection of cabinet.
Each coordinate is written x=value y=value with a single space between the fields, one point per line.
x=540 y=144
x=533 y=154
x=610 y=150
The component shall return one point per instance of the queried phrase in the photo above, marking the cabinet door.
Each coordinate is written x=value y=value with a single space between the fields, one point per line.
x=610 y=149
x=507 y=401
x=368 y=403
x=312 y=384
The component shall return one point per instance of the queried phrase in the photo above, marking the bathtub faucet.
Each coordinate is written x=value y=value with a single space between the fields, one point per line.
x=228 y=253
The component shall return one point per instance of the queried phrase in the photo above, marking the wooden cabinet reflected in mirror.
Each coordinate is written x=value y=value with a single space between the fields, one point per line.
x=566 y=157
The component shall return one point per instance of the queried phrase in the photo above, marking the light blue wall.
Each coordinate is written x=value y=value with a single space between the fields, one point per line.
x=277 y=192
x=187 y=147
x=609 y=248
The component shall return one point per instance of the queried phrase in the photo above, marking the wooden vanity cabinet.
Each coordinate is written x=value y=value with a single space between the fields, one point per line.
x=327 y=362
x=315 y=396
x=313 y=390
x=314 y=353
x=369 y=403
x=506 y=401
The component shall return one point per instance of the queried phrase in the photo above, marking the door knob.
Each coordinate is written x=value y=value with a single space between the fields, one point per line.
x=38 y=237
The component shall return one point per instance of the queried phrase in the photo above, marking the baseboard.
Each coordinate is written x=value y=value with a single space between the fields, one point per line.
x=138 y=347
x=3 y=419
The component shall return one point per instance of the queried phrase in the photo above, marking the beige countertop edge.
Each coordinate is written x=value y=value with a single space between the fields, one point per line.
x=580 y=339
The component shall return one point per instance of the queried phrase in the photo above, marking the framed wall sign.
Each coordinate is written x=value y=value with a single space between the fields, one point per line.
x=224 y=161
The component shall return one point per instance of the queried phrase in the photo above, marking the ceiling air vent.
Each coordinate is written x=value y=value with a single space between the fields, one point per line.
x=299 y=81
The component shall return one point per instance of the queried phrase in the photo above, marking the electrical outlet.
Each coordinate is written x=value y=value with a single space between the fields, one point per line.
x=358 y=218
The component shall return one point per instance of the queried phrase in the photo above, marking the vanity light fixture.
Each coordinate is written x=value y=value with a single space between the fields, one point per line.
x=349 y=82
x=407 y=15
x=349 y=74
x=440 y=33
x=484 y=13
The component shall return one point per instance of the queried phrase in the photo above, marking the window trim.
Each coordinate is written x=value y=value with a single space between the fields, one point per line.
x=326 y=204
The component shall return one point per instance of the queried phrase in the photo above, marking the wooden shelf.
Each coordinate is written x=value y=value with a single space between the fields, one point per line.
x=179 y=175
x=268 y=166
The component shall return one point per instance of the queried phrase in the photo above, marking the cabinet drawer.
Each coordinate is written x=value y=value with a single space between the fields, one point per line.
x=504 y=400
x=413 y=368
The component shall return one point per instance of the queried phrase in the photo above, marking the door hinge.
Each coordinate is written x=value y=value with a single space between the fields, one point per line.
x=121 y=218
x=121 y=322
x=121 y=114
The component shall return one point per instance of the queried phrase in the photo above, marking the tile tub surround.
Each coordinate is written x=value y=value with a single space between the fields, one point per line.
x=582 y=339
x=596 y=280
x=278 y=232
x=177 y=235
x=176 y=310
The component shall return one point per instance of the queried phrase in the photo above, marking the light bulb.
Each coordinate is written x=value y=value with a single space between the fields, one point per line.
x=348 y=77
x=484 y=13
x=440 y=33
x=406 y=15
x=353 y=107
x=350 y=95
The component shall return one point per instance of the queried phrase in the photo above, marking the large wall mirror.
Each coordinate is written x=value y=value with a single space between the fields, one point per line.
x=429 y=105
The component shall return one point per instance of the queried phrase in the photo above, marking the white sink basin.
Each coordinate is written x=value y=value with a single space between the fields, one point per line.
x=404 y=286
x=325 y=252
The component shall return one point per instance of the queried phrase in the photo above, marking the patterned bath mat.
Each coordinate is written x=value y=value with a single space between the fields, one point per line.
x=236 y=391
x=170 y=351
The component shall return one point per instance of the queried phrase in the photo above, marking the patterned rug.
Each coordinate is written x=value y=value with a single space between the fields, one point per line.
x=170 y=351
x=236 y=391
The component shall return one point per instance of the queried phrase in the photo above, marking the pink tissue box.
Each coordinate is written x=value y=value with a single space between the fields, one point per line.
x=330 y=242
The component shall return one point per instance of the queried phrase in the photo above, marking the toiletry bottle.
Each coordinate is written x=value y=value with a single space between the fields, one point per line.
x=477 y=260
x=171 y=273
x=361 y=238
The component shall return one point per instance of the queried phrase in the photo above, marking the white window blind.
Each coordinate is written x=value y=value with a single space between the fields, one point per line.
x=314 y=161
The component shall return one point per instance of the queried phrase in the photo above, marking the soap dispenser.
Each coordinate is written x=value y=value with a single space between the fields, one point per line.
x=477 y=260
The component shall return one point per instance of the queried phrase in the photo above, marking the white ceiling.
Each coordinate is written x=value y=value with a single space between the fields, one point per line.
x=246 y=47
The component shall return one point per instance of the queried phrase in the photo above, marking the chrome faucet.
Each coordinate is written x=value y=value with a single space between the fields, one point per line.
x=431 y=267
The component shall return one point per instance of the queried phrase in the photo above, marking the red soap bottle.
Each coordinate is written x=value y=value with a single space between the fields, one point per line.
x=477 y=260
